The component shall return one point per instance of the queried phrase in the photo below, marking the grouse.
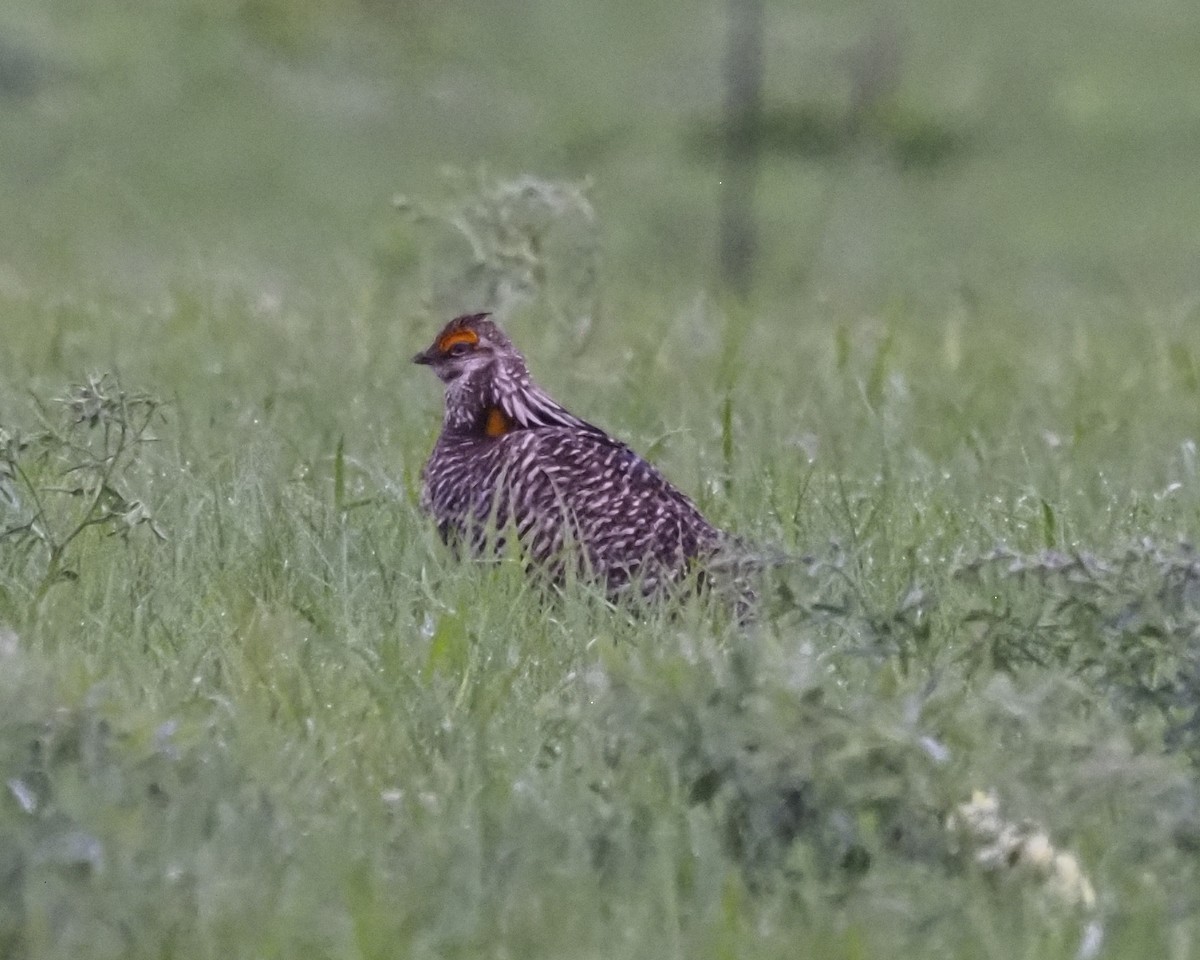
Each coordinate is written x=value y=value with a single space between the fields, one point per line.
x=511 y=458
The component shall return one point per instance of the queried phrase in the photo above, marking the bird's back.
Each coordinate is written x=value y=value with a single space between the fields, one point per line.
x=567 y=490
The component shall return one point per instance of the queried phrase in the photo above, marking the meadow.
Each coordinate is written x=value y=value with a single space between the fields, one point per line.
x=251 y=707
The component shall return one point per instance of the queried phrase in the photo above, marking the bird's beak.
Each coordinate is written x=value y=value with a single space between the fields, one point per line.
x=423 y=357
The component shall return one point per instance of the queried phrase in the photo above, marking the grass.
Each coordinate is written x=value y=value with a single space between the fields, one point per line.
x=961 y=400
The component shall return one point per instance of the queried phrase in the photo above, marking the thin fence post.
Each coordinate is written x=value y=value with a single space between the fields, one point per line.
x=743 y=78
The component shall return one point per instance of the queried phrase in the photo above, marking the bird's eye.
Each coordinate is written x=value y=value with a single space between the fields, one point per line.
x=458 y=349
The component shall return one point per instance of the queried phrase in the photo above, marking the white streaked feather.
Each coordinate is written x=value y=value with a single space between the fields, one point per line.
x=529 y=406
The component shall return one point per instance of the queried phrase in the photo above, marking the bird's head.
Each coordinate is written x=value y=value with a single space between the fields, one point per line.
x=467 y=347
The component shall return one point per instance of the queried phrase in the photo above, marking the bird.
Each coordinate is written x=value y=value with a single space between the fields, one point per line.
x=509 y=458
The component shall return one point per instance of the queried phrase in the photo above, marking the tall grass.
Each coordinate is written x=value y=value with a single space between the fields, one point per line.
x=296 y=725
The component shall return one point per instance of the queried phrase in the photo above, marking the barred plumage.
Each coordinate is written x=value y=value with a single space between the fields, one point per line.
x=510 y=457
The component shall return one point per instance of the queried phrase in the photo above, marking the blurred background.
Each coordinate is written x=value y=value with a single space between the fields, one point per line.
x=929 y=153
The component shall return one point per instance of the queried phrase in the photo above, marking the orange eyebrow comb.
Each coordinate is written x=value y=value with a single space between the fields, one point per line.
x=458 y=336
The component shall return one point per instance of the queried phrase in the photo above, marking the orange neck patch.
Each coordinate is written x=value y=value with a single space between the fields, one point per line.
x=496 y=424
x=458 y=336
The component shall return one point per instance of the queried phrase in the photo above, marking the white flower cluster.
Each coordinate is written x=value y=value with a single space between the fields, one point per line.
x=1004 y=845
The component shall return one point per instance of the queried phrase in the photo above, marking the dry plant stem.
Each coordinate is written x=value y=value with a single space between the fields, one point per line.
x=123 y=423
